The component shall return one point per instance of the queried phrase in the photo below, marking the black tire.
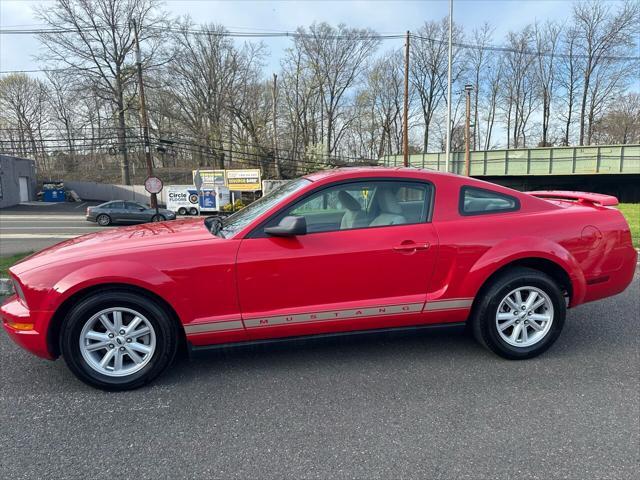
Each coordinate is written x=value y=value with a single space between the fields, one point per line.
x=158 y=218
x=483 y=318
x=193 y=211
x=103 y=220
x=182 y=211
x=165 y=328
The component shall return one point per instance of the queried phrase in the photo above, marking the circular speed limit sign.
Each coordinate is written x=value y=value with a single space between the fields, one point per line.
x=153 y=185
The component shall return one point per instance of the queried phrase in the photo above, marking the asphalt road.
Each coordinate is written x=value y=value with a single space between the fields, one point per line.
x=28 y=228
x=434 y=405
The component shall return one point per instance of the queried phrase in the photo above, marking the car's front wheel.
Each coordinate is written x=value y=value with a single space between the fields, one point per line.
x=103 y=220
x=118 y=340
x=520 y=315
x=158 y=218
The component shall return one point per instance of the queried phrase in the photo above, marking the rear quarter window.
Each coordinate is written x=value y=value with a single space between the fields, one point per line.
x=479 y=201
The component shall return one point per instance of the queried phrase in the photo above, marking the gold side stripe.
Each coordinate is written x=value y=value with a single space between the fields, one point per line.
x=448 y=304
x=401 y=309
x=214 y=327
x=334 y=315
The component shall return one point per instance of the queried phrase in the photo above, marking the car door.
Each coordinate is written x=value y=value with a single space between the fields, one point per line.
x=136 y=213
x=118 y=212
x=365 y=262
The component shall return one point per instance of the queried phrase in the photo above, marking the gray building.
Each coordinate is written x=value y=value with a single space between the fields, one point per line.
x=17 y=180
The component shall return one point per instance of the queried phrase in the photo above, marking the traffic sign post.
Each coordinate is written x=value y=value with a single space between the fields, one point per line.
x=153 y=185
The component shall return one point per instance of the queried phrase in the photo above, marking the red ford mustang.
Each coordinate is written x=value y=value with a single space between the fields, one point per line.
x=348 y=250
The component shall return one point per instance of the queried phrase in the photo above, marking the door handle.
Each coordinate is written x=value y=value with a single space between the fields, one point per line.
x=411 y=247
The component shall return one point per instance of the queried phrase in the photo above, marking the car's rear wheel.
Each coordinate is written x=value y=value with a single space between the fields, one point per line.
x=103 y=220
x=520 y=315
x=182 y=211
x=118 y=340
x=158 y=218
x=193 y=211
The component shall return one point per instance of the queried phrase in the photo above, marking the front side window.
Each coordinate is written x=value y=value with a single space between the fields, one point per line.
x=134 y=206
x=477 y=201
x=363 y=204
x=236 y=222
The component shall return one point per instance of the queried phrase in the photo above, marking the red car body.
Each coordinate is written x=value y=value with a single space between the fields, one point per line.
x=242 y=288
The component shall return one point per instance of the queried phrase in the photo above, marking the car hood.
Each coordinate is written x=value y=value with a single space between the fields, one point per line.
x=108 y=242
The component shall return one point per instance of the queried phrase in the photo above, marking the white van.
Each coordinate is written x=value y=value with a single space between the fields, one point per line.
x=184 y=199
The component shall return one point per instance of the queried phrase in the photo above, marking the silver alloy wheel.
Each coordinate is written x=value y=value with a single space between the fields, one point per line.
x=103 y=220
x=524 y=316
x=117 y=342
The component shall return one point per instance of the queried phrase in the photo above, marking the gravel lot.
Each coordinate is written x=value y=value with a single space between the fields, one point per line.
x=433 y=405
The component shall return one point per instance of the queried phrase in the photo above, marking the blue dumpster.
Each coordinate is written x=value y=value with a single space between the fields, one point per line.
x=54 y=195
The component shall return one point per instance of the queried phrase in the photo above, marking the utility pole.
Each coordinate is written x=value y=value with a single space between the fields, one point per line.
x=405 y=131
x=450 y=55
x=143 y=115
x=274 y=94
x=467 y=125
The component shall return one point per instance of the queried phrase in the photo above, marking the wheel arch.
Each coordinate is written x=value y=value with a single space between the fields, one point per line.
x=55 y=325
x=544 y=265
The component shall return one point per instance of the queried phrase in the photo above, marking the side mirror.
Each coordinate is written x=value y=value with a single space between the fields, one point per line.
x=141 y=209
x=288 y=227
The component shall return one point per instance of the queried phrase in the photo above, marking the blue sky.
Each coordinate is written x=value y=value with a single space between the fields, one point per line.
x=16 y=51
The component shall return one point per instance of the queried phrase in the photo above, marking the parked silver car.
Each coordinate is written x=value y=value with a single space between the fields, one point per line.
x=119 y=211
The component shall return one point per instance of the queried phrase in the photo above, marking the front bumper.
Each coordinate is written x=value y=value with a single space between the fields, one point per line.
x=26 y=328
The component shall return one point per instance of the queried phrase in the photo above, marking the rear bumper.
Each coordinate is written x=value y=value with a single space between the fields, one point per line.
x=26 y=328
x=607 y=283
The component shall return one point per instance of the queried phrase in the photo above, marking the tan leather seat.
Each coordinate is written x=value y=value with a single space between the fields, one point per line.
x=353 y=217
x=390 y=209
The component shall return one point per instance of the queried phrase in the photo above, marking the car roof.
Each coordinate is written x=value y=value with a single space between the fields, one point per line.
x=356 y=172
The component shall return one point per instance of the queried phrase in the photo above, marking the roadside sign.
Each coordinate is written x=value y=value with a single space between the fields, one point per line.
x=210 y=178
x=244 y=180
x=153 y=185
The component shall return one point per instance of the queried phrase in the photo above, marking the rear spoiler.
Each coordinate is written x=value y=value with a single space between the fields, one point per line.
x=580 y=197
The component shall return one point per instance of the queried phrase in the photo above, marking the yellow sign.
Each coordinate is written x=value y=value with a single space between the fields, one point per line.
x=211 y=177
x=245 y=180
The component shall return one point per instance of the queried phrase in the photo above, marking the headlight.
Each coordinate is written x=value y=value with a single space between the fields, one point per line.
x=18 y=290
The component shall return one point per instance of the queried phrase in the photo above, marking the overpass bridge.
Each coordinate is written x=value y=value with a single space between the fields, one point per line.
x=612 y=169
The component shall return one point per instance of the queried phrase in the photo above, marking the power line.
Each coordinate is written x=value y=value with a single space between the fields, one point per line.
x=298 y=34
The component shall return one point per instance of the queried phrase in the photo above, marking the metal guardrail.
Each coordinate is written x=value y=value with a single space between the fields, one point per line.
x=602 y=159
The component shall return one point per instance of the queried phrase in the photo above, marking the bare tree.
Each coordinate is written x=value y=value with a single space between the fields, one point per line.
x=337 y=56
x=94 y=38
x=479 y=62
x=519 y=94
x=602 y=36
x=428 y=65
x=23 y=106
x=547 y=38
x=621 y=124
x=569 y=81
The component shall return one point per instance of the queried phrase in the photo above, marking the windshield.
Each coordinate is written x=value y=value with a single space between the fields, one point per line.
x=236 y=222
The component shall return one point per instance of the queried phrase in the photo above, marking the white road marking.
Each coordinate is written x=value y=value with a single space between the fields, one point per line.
x=58 y=227
x=41 y=217
x=24 y=236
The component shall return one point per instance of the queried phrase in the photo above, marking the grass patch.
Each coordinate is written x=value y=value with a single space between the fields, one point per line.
x=6 y=262
x=631 y=211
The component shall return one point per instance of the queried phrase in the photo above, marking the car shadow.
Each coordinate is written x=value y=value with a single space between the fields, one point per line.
x=421 y=345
